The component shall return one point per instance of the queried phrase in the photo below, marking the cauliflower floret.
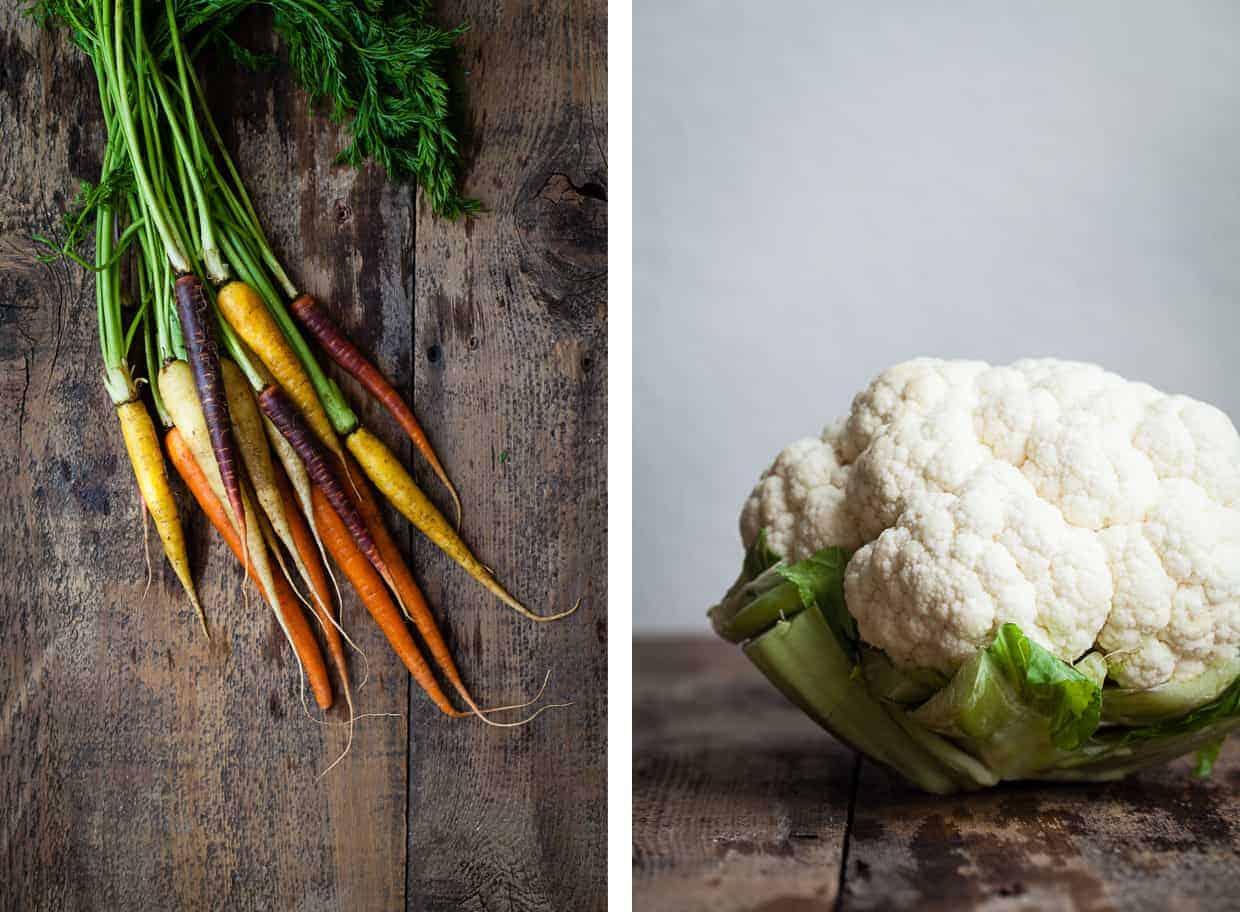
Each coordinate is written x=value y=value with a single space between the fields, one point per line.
x=935 y=588
x=1176 y=609
x=1084 y=462
x=1184 y=438
x=799 y=500
x=914 y=454
x=917 y=386
x=1091 y=510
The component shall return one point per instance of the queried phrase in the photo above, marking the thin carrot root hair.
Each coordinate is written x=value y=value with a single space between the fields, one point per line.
x=328 y=723
x=349 y=743
x=484 y=714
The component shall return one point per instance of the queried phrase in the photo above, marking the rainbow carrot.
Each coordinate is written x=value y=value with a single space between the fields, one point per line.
x=349 y=356
x=344 y=551
x=283 y=414
x=194 y=312
x=276 y=591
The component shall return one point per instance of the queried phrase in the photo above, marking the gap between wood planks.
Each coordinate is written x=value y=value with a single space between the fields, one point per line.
x=853 y=787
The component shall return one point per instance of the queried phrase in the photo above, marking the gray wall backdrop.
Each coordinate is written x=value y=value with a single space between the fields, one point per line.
x=824 y=189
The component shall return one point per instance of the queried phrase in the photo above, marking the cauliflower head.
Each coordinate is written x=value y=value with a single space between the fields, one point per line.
x=1094 y=512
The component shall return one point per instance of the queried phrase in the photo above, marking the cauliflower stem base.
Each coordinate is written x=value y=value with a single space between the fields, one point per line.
x=1013 y=710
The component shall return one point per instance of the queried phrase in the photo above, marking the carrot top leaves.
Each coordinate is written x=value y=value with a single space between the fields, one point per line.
x=381 y=67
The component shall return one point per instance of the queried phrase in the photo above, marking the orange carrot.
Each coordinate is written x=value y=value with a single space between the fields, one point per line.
x=303 y=538
x=284 y=602
x=374 y=596
x=406 y=586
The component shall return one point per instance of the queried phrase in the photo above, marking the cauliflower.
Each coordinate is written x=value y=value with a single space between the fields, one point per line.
x=1091 y=511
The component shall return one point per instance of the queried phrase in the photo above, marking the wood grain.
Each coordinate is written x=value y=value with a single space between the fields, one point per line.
x=1161 y=840
x=720 y=760
x=511 y=369
x=739 y=802
x=142 y=767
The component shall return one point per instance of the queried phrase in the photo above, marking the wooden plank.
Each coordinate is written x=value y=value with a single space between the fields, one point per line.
x=739 y=800
x=141 y=767
x=511 y=379
x=1161 y=840
x=721 y=760
x=347 y=235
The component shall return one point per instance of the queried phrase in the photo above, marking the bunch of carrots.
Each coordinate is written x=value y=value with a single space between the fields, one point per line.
x=263 y=439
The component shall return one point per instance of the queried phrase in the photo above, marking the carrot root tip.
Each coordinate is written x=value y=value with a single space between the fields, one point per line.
x=483 y=714
x=544 y=618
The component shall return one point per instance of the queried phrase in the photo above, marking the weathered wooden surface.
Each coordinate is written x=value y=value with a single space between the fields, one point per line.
x=511 y=355
x=738 y=803
x=741 y=803
x=143 y=768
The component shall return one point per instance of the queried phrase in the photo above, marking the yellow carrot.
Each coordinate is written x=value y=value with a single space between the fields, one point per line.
x=390 y=477
x=252 y=441
x=148 y=466
x=248 y=315
x=275 y=590
x=181 y=398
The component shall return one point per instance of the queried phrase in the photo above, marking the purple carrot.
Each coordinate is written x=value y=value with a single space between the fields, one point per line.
x=348 y=356
x=277 y=406
x=204 y=360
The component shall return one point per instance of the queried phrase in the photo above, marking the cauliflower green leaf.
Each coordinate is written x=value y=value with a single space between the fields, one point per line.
x=1014 y=710
x=1015 y=705
x=769 y=589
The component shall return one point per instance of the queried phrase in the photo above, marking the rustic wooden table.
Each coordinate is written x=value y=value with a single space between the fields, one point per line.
x=142 y=768
x=742 y=803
